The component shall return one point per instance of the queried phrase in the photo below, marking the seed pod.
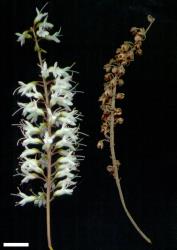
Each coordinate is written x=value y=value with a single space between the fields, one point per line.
x=120 y=82
x=120 y=120
x=118 y=111
x=150 y=18
x=100 y=144
x=110 y=169
x=120 y=96
x=138 y=38
x=125 y=47
x=114 y=70
x=107 y=67
x=121 y=70
x=108 y=77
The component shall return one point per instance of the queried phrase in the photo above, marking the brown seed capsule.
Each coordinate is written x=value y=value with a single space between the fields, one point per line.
x=120 y=82
x=110 y=169
x=142 y=33
x=100 y=144
x=118 y=111
x=139 y=52
x=120 y=57
x=130 y=56
x=125 y=47
x=111 y=61
x=113 y=82
x=120 y=120
x=118 y=50
x=114 y=70
x=138 y=38
x=121 y=70
x=120 y=96
x=108 y=92
x=134 y=30
x=108 y=77
x=150 y=18
x=107 y=67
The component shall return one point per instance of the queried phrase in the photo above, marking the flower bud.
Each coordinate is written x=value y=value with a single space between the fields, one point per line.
x=108 y=77
x=100 y=144
x=150 y=18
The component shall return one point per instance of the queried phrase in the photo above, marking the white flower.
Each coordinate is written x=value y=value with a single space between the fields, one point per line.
x=67 y=182
x=62 y=86
x=66 y=166
x=53 y=37
x=52 y=116
x=29 y=129
x=62 y=83
x=43 y=28
x=69 y=118
x=31 y=140
x=64 y=101
x=40 y=200
x=66 y=172
x=22 y=36
x=63 y=191
x=42 y=32
x=39 y=16
x=68 y=159
x=44 y=70
x=29 y=90
x=25 y=198
x=46 y=25
x=48 y=140
x=29 y=151
x=68 y=132
x=31 y=110
x=30 y=165
x=28 y=177
x=57 y=71
x=65 y=142
x=43 y=161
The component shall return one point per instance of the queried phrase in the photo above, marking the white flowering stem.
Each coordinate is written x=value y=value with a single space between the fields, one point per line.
x=115 y=164
x=49 y=153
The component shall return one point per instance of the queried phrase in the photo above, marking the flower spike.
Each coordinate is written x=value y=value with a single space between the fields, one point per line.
x=50 y=128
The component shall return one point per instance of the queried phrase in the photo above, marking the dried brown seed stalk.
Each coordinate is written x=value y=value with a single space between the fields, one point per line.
x=112 y=115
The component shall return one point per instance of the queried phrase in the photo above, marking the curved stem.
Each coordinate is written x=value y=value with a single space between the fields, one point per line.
x=49 y=153
x=115 y=164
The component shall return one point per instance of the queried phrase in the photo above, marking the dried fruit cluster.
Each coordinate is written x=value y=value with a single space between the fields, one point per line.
x=115 y=70
x=112 y=114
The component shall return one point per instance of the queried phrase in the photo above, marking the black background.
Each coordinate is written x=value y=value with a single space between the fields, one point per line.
x=93 y=217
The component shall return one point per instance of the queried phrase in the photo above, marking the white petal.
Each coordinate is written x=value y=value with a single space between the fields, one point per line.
x=63 y=191
x=29 y=151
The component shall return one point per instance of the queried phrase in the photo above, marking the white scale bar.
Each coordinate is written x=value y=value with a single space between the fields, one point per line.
x=15 y=244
